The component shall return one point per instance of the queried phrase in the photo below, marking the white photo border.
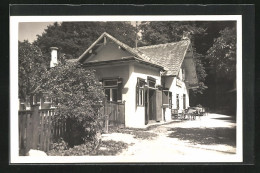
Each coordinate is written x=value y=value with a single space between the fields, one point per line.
x=14 y=142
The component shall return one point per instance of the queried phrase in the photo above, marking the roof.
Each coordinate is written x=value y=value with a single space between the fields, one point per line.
x=169 y=55
x=137 y=56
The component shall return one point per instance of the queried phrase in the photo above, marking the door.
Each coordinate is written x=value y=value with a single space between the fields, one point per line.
x=158 y=105
x=184 y=101
x=146 y=100
x=152 y=104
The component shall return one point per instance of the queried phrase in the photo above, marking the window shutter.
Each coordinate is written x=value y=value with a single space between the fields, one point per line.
x=137 y=94
x=165 y=97
x=119 y=90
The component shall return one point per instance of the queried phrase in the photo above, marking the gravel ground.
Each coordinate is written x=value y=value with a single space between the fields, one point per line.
x=204 y=139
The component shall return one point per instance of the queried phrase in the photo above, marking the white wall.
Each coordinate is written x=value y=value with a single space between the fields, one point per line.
x=170 y=82
x=115 y=71
x=136 y=114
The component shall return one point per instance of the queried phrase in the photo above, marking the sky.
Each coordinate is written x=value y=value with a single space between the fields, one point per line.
x=30 y=30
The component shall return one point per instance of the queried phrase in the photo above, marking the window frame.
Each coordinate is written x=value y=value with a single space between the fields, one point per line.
x=140 y=92
x=151 y=80
x=116 y=87
x=169 y=98
x=108 y=86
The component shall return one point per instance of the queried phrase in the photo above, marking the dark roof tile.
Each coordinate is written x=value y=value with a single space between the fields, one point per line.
x=169 y=55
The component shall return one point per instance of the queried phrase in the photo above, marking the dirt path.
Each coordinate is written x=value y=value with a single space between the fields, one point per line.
x=208 y=136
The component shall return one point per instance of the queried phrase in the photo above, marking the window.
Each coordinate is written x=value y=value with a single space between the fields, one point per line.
x=151 y=82
x=110 y=83
x=111 y=94
x=140 y=92
x=177 y=101
x=113 y=88
x=167 y=98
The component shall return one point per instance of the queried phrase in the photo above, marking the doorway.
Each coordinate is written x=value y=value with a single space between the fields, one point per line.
x=150 y=105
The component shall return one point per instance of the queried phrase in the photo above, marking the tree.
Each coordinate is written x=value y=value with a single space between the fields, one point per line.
x=78 y=95
x=201 y=72
x=31 y=67
x=167 y=31
x=73 y=38
x=222 y=55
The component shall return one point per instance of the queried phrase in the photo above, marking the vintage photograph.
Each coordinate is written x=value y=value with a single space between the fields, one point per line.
x=147 y=89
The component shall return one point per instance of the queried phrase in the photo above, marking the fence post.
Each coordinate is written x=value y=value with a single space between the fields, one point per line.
x=124 y=112
x=106 y=123
x=106 y=116
x=35 y=125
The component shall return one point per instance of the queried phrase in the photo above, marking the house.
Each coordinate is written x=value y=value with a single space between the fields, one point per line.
x=152 y=80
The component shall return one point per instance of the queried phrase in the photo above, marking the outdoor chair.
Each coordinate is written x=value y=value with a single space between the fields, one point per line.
x=191 y=113
x=175 y=114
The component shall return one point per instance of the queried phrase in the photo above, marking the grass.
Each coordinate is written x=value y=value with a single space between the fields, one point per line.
x=105 y=148
x=137 y=133
x=110 y=148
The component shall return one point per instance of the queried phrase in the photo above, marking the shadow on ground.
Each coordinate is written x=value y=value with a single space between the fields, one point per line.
x=231 y=119
x=207 y=136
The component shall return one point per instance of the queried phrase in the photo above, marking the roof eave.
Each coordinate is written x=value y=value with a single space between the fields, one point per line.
x=121 y=60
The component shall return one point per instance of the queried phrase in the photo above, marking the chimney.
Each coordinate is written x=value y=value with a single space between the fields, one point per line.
x=186 y=35
x=54 y=60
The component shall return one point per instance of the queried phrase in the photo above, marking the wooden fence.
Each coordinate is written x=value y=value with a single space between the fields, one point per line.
x=114 y=113
x=37 y=128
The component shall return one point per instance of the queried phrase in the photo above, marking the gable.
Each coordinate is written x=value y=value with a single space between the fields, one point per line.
x=106 y=52
x=107 y=49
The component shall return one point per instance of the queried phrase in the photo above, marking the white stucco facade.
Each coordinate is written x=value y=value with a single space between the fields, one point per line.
x=176 y=88
x=130 y=72
x=113 y=59
x=135 y=115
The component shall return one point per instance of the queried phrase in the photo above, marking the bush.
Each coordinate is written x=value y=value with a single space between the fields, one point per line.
x=60 y=148
x=78 y=96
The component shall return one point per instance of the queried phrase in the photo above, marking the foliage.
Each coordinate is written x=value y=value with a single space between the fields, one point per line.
x=139 y=134
x=73 y=38
x=222 y=55
x=106 y=148
x=201 y=72
x=78 y=95
x=111 y=148
x=167 y=31
x=31 y=66
x=60 y=144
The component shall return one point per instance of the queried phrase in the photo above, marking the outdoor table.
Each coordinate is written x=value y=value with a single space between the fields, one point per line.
x=189 y=112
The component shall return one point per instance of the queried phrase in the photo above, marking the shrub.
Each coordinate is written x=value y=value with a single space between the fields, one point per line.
x=78 y=96
x=106 y=148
